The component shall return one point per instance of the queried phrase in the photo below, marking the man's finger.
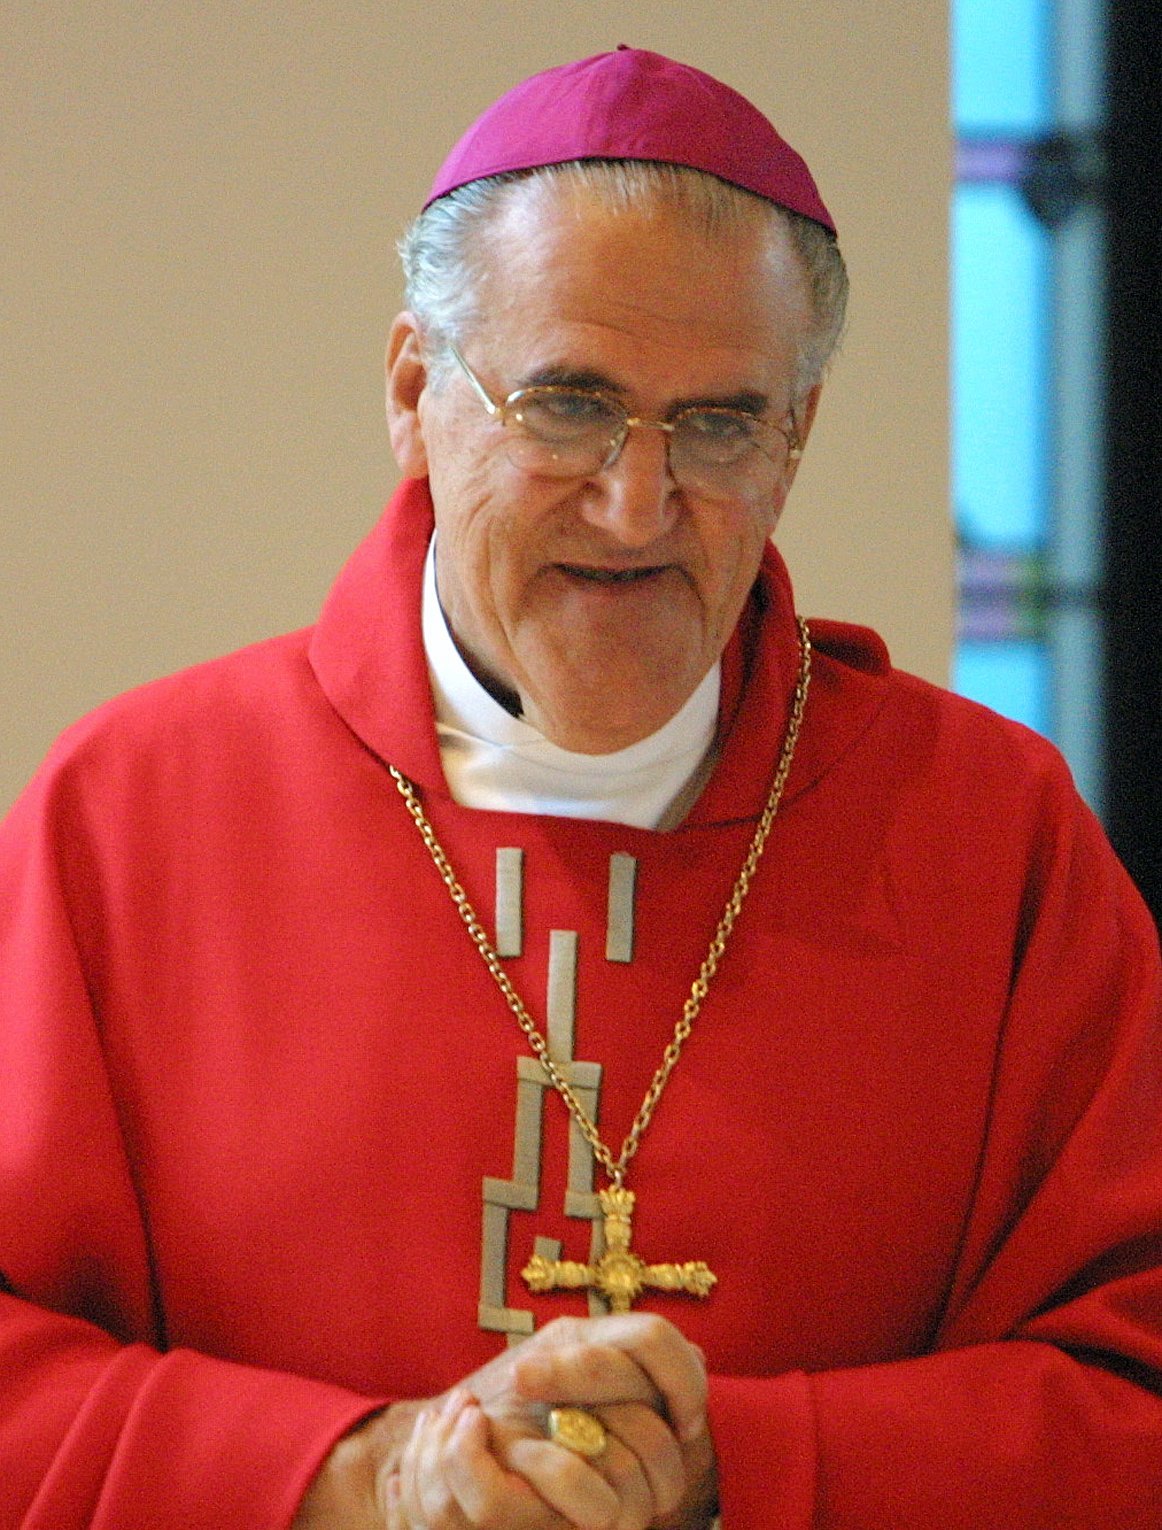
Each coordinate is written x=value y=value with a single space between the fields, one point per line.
x=571 y=1486
x=652 y=1444
x=635 y=1357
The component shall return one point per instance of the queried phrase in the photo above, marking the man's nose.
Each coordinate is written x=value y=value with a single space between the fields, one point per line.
x=634 y=497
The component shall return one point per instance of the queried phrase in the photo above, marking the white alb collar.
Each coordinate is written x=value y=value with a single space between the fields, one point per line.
x=496 y=761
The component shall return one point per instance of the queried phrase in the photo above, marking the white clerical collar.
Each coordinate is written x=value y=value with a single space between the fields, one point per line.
x=494 y=760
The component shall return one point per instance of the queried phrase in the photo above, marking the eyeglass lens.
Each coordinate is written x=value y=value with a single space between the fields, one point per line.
x=560 y=432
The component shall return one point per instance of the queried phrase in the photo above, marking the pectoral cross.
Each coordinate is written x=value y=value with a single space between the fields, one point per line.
x=619 y=1275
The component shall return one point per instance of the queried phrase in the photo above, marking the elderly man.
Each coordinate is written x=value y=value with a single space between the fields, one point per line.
x=566 y=1042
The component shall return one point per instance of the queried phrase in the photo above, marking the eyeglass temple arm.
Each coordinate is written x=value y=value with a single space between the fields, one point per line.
x=477 y=385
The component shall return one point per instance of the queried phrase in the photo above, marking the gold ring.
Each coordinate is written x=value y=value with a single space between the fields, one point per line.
x=577 y=1431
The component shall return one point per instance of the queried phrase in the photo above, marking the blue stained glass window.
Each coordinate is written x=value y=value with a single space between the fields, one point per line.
x=1015 y=676
x=999 y=368
x=1000 y=356
x=1026 y=303
x=1000 y=51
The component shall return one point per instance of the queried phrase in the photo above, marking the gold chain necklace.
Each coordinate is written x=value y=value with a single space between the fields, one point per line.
x=623 y=1269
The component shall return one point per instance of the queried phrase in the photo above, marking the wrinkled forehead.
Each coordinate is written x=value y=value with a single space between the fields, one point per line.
x=569 y=273
x=671 y=239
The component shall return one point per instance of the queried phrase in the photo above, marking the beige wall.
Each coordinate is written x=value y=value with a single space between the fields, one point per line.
x=200 y=203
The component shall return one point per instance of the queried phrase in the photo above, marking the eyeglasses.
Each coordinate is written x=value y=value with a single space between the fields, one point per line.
x=556 y=431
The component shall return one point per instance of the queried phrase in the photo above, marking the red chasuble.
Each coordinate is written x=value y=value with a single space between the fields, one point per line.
x=270 y=1155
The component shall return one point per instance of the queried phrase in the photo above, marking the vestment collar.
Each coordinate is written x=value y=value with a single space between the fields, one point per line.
x=367 y=653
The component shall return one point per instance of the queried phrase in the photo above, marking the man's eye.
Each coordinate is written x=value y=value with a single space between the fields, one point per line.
x=568 y=408
x=725 y=426
x=559 y=416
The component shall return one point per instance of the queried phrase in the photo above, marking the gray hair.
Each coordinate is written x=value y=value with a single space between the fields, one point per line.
x=444 y=256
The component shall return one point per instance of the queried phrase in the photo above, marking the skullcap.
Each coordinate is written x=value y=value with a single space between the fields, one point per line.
x=633 y=104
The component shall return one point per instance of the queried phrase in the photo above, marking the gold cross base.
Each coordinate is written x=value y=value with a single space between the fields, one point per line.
x=619 y=1275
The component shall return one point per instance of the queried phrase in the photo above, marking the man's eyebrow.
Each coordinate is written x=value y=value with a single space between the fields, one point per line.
x=572 y=377
x=745 y=400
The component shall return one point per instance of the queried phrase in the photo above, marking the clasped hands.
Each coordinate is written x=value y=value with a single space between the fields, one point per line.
x=480 y=1456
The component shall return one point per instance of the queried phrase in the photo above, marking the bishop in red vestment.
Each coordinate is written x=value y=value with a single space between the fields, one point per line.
x=277 y=1157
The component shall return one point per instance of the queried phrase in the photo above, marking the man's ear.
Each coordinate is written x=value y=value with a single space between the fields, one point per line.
x=407 y=377
x=804 y=419
x=805 y=414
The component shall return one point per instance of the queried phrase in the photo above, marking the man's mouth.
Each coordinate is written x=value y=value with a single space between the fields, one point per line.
x=608 y=575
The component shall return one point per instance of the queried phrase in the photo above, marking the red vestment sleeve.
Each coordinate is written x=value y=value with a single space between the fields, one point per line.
x=99 y=1427
x=1038 y=1407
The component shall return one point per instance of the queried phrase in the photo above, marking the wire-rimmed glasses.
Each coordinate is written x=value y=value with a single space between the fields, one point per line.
x=556 y=431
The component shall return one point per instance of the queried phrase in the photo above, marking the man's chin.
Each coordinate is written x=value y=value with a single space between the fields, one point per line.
x=591 y=710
